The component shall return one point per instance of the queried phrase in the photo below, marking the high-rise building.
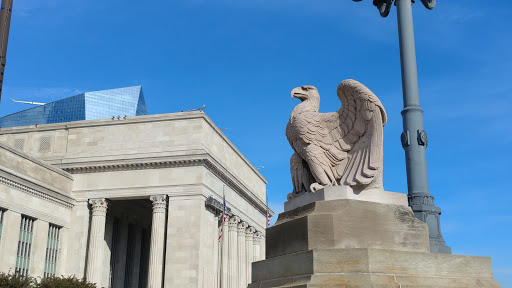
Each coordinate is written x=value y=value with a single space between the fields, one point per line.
x=102 y=104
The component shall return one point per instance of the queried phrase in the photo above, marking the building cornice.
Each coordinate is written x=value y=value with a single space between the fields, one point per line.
x=204 y=160
x=131 y=120
x=26 y=189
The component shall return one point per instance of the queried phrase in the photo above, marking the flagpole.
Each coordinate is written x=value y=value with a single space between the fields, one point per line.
x=221 y=264
x=268 y=214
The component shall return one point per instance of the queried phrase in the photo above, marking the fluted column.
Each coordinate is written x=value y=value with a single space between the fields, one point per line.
x=249 y=252
x=262 y=247
x=96 y=239
x=156 y=250
x=232 y=253
x=224 y=255
x=216 y=254
x=242 y=259
x=256 y=246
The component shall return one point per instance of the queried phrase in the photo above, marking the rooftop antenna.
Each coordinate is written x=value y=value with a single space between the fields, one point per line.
x=197 y=109
x=28 y=102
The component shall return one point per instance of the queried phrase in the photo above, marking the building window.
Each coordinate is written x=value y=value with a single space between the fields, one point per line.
x=24 y=245
x=1 y=222
x=52 y=249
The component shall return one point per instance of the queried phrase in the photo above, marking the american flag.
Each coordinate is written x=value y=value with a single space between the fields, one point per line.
x=268 y=217
x=268 y=212
x=223 y=218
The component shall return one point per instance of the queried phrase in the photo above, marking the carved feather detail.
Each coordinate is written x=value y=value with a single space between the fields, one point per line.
x=338 y=148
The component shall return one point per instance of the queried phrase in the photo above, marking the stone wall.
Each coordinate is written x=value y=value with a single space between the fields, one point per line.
x=34 y=189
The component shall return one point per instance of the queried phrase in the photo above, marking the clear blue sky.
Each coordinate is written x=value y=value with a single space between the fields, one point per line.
x=242 y=58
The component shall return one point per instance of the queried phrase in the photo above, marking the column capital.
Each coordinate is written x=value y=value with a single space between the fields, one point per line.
x=159 y=203
x=233 y=222
x=99 y=206
x=249 y=233
x=257 y=237
x=242 y=226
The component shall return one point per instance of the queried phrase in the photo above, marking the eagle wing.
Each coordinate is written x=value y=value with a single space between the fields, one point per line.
x=358 y=132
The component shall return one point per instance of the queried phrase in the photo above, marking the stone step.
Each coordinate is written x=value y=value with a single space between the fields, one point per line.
x=362 y=267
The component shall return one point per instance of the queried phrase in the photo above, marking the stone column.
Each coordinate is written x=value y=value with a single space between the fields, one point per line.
x=262 y=247
x=256 y=246
x=249 y=251
x=224 y=255
x=216 y=254
x=156 y=249
x=242 y=259
x=96 y=240
x=232 y=253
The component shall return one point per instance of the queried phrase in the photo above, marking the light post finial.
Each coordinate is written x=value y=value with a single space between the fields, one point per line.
x=384 y=6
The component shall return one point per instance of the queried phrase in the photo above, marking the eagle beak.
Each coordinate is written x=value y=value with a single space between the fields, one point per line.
x=295 y=90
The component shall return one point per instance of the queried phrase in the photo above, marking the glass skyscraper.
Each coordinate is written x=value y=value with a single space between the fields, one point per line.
x=127 y=101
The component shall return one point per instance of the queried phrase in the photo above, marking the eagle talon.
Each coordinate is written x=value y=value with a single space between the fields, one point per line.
x=315 y=187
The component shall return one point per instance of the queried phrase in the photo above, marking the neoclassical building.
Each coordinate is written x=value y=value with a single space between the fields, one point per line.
x=130 y=202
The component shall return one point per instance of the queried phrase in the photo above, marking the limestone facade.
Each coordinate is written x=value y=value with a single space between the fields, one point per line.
x=128 y=203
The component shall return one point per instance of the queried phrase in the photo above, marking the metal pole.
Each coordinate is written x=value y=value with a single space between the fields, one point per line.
x=414 y=138
x=5 y=23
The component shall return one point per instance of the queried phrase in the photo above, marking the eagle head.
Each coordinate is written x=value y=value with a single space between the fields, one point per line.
x=304 y=93
x=310 y=100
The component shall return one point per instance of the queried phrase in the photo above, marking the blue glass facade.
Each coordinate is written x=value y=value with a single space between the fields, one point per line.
x=127 y=101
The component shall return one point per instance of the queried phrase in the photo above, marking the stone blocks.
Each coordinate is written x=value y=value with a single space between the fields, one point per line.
x=363 y=267
x=347 y=192
x=346 y=223
x=360 y=244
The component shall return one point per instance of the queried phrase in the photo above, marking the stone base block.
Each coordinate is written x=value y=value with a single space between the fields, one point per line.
x=346 y=223
x=347 y=192
x=365 y=268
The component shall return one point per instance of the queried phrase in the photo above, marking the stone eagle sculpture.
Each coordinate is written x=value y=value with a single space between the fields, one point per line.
x=338 y=148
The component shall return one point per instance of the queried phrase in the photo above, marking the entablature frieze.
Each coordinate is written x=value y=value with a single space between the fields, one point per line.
x=36 y=193
x=202 y=160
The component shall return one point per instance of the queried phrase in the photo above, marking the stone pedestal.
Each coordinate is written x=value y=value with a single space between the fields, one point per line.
x=348 y=242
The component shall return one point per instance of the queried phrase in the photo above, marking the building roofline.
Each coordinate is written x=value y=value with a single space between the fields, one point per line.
x=37 y=161
x=132 y=120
